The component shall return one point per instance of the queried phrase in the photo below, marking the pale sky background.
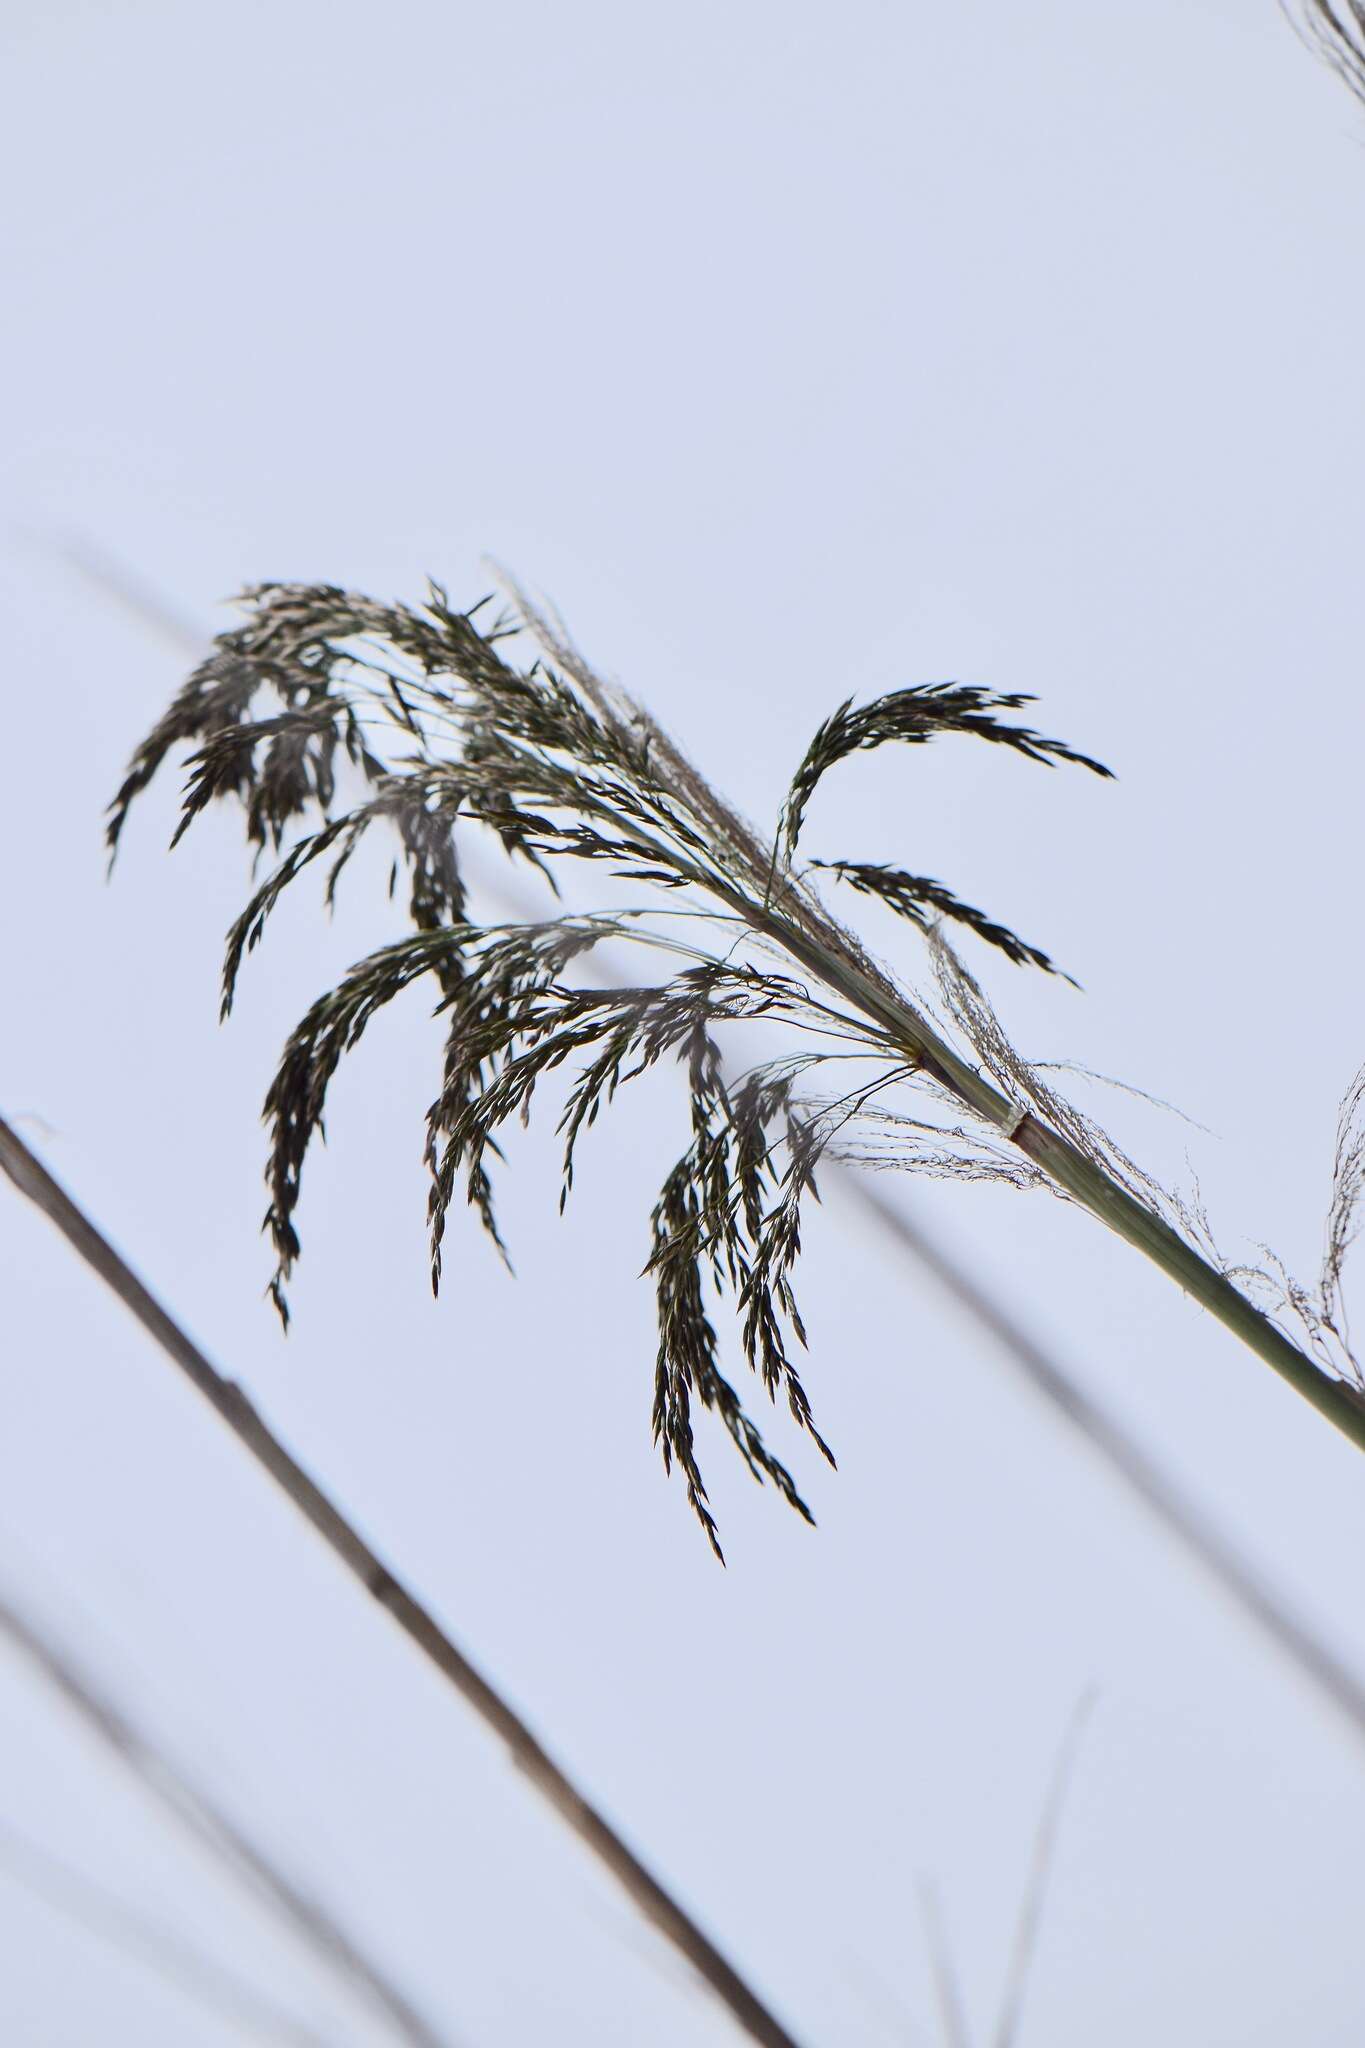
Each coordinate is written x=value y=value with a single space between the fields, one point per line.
x=793 y=353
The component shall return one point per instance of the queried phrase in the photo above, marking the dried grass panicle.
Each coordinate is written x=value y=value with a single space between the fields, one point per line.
x=325 y=714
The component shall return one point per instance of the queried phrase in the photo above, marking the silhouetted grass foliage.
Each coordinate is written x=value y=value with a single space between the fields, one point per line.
x=326 y=713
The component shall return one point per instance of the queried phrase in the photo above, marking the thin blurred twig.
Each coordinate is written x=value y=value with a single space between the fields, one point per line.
x=952 y=2011
x=1040 y=1870
x=212 y=1827
x=227 y=1398
x=102 y=1912
x=947 y=1985
x=95 y=564
x=1159 y=1493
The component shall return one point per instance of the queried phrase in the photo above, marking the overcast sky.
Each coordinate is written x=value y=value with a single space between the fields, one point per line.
x=793 y=354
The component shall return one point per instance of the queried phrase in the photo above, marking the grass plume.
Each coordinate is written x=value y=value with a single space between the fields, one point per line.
x=326 y=713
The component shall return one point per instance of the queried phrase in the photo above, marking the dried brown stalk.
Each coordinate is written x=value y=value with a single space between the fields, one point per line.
x=647 y=1892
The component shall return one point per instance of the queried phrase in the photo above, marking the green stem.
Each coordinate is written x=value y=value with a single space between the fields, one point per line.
x=1139 y=1226
x=1082 y=1178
